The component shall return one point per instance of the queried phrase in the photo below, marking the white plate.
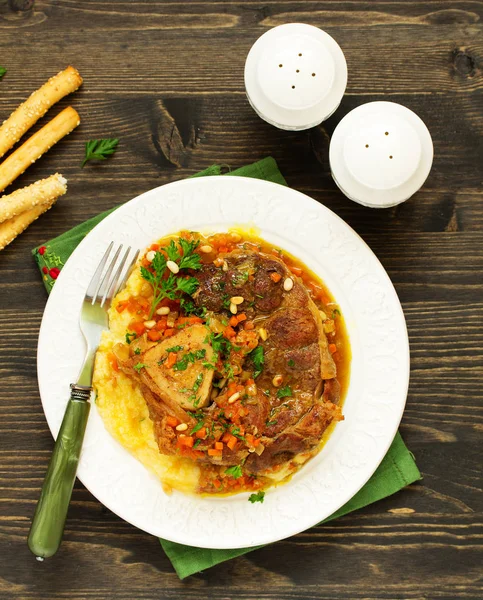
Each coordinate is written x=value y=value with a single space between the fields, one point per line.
x=379 y=375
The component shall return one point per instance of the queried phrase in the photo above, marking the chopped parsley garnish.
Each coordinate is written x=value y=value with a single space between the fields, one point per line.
x=175 y=349
x=100 y=149
x=236 y=432
x=335 y=312
x=235 y=471
x=226 y=301
x=139 y=366
x=291 y=363
x=284 y=392
x=266 y=392
x=197 y=427
x=173 y=286
x=258 y=358
x=130 y=337
x=3 y=70
x=208 y=365
x=198 y=382
x=137 y=350
x=270 y=423
x=258 y=497
x=197 y=443
x=239 y=278
x=189 y=357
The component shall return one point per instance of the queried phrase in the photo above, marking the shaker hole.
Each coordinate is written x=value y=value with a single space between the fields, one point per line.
x=300 y=53
x=293 y=87
x=390 y=156
x=280 y=66
x=313 y=74
x=386 y=133
x=297 y=71
x=367 y=145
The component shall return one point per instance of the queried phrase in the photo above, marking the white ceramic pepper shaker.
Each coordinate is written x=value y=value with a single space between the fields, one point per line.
x=295 y=76
x=380 y=154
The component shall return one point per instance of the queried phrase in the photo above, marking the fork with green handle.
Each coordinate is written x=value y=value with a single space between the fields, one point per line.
x=49 y=519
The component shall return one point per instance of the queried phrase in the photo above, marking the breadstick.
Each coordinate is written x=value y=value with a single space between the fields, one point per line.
x=11 y=228
x=35 y=146
x=35 y=107
x=44 y=191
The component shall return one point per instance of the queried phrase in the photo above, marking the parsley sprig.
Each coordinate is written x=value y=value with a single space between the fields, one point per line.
x=173 y=286
x=235 y=471
x=3 y=70
x=258 y=497
x=100 y=149
x=258 y=358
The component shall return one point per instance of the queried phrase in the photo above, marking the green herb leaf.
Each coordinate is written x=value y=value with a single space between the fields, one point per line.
x=258 y=358
x=172 y=251
x=188 y=286
x=130 y=337
x=235 y=471
x=175 y=349
x=139 y=366
x=197 y=427
x=198 y=382
x=335 y=312
x=189 y=357
x=3 y=70
x=291 y=363
x=236 y=432
x=284 y=392
x=258 y=497
x=270 y=423
x=197 y=443
x=137 y=350
x=100 y=149
x=190 y=259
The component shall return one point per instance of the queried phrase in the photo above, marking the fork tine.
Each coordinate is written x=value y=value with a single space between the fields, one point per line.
x=101 y=292
x=94 y=284
x=112 y=284
x=128 y=272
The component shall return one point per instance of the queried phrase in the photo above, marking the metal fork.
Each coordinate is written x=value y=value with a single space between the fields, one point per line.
x=49 y=519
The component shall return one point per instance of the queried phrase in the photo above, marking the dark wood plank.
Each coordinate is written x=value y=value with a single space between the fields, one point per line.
x=166 y=77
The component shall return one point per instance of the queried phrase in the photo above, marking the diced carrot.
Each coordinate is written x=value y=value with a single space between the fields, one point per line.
x=249 y=325
x=172 y=421
x=188 y=320
x=162 y=324
x=122 y=305
x=154 y=247
x=172 y=356
x=154 y=335
x=250 y=381
x=219 y=445
x=201 y=433
x=137 y=327
x=223 y=249
x=296 y=270
x=241 y=318
x=242 y=430
x=186 y=440
x=232 y=388
x=275 y=277
x=217 y=483
x=113 y=362
x=169 y=332
x=145 y=263
x=215 y=452
x=249 y=437
x=231 y=442
x=233 y=321
x=332 y=348
x=229 y=332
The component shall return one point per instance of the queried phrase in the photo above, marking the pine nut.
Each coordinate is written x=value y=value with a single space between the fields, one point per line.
x=224 y=267
x=181 y=427
x=233 y=398
x=206 y=249
x=323 y=316
x=218 y=262
x=263 y=334
x=172 y=266
x=233 y=308
x=150 y=255
x=288 y=284
x=277 y=380
x=149 y=324
x=164 y=310
x=237 y=299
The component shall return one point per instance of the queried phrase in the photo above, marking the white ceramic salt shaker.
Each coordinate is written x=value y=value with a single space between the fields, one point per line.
x=295 y=76
x=380 y=154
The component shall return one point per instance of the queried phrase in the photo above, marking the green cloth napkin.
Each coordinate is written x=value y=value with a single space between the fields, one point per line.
x=397 y=470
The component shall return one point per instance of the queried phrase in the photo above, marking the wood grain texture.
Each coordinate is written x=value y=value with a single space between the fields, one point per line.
x=167 y=79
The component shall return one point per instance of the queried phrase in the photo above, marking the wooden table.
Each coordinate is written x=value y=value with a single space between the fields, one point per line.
x=167 y=79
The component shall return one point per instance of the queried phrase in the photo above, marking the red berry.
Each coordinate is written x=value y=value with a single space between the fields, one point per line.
x=54 y=272
x=45 y=270
x=42 y=249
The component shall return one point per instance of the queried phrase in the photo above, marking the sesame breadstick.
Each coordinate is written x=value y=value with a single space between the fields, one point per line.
x=36 y=145
x=44 y=191
x=10 y=229
x=35 y=107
